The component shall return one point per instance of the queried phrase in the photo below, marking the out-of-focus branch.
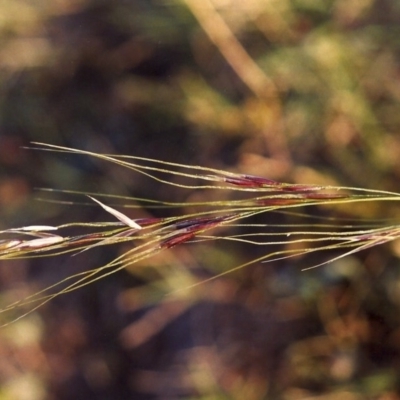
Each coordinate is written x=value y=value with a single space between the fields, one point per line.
x=222 y=36
x=248 y=71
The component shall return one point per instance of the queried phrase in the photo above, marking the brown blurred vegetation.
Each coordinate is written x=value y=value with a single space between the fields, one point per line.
x=294 y=90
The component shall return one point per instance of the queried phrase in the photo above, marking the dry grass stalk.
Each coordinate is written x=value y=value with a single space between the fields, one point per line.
x=150 y=236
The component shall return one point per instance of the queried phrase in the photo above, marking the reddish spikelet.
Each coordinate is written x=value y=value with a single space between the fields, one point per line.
x=240 y=182
x=149 y=221
x=177 y=239
x=188 y=229
x=251 y=181
x=279 y=201
x=202 y=222
x=301 y=188
x=261 y=181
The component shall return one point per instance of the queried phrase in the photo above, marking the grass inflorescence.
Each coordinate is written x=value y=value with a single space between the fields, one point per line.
x=207 y=221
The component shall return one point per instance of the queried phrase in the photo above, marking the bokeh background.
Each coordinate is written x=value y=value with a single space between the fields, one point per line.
x=294 y=90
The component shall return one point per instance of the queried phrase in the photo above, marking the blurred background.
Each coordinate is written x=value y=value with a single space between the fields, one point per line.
x=293 y=90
